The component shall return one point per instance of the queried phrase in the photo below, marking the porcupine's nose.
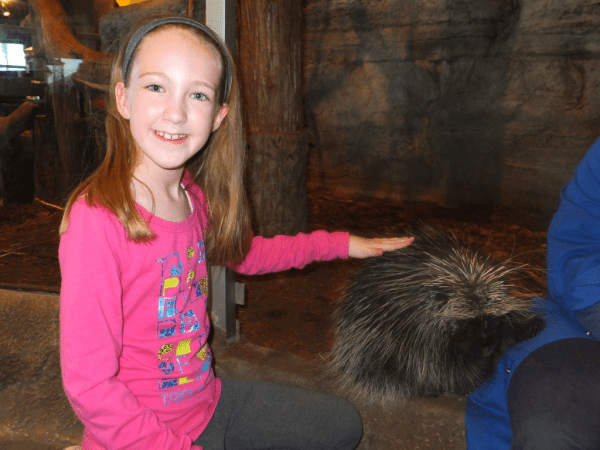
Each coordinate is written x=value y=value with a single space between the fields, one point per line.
x=475 y=300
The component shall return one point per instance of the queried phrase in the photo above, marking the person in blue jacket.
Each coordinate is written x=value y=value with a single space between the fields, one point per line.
x=545 y=393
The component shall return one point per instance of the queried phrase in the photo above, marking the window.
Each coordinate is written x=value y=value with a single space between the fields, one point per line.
x=12 y=57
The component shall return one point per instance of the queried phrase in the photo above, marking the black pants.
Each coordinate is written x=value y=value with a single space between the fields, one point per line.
x=256 y=415
x=554 y=397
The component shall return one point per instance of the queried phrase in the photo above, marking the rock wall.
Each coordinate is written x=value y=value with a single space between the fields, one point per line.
x=452 y=101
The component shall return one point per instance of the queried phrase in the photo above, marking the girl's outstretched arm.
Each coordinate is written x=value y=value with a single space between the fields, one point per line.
x=359 y=247
x=284 y=252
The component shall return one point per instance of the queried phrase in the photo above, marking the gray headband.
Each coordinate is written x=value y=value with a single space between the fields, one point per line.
x=145 y=29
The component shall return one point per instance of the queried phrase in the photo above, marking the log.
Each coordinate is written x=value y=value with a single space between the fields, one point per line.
x=57 y=37
x=270 y=60
x=59 y=42
x=16 y=122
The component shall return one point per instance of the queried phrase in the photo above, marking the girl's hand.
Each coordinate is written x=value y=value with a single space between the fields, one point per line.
x=365 y=248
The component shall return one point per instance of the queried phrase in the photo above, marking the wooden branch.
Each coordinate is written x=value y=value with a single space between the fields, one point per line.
x=56 y=34
x=16 y=122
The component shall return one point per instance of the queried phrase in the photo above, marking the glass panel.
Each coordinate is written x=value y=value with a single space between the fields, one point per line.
x=12 y=57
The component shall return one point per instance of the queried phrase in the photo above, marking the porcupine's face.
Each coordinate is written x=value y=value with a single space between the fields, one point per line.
x=473 y=287
x=468 y=284
x=476 y=309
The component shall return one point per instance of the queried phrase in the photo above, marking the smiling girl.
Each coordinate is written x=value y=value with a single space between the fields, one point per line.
x=135 y=241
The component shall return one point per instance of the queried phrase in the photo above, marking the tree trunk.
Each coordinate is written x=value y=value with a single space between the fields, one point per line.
x=270 y=61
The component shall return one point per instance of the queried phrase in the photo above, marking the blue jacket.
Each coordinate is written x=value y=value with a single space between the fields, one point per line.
x=572 y=308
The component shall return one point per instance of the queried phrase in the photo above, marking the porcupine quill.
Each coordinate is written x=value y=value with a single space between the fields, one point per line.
x=431 y=318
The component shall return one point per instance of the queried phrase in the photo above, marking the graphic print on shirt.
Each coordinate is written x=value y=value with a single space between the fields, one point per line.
x=205 y=355
x=173 y=300
x=173 y=359
x=201 y=252
x=190 y=279
x=176 y=317
x=190 y=254
x=199 y=287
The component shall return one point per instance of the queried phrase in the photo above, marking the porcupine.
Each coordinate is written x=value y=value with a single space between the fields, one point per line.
x=431 y=318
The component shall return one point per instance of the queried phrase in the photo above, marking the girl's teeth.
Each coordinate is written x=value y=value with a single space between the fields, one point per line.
x=171 y=137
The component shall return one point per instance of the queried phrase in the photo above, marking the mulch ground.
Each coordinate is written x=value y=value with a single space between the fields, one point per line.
x=291 y=311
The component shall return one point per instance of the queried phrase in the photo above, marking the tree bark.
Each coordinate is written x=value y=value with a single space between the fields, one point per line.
x=270 y=61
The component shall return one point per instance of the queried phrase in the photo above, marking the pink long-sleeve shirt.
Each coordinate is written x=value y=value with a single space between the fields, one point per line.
x=135 y=361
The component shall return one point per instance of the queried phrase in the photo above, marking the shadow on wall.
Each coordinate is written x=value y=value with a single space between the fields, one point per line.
x=468 y=124
x=414 y=100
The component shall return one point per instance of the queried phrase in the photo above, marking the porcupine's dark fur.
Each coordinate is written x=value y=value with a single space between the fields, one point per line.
x=433 y=317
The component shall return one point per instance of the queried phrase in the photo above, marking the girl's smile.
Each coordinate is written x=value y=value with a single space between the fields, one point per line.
x=172 y=138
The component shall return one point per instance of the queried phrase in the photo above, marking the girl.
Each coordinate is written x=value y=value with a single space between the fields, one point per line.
x=135 y=239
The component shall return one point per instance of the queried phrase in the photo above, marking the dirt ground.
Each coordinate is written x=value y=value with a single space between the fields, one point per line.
x=291 y=311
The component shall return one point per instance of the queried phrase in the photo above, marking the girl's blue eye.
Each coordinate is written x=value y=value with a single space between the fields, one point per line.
x=155 y=88
x=200 y=96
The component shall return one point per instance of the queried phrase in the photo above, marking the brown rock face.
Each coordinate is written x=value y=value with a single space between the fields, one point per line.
x=455 y=102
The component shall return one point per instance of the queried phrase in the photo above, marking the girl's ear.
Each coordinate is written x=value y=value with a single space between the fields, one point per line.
x=122 y=104
x=219 y=116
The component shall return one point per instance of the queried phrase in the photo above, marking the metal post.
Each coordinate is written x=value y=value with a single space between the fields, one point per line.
x=222 y=300
x=220 y=16
x=225 y=292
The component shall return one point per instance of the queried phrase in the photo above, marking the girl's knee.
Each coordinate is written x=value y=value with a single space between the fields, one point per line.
x=553 y=396
x=352 y=431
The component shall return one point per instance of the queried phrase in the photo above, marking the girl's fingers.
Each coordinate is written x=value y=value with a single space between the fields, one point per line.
x=365 y=248
x=394 y=243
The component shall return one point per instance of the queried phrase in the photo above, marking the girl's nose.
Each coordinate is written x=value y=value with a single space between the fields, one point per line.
x=175 y=111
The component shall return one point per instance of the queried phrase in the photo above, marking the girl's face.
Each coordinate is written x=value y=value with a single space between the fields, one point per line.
x=171 y=99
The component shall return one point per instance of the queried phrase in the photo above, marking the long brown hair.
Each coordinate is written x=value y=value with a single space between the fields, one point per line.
x=218 y=169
